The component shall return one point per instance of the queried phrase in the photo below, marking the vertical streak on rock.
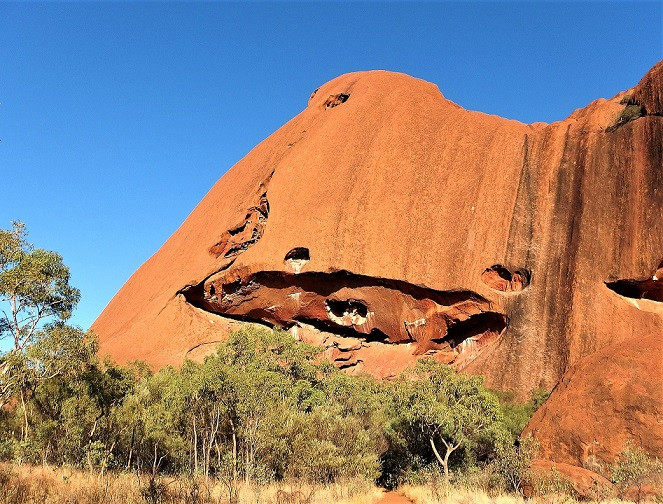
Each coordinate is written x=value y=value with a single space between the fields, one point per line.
x=652 y=212
x=522 y=223
x=519 y=251
x=557 y=290
x=570 y=195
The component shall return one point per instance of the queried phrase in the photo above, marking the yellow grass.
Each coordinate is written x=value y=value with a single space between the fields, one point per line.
x=45 y=485
x=430 y=495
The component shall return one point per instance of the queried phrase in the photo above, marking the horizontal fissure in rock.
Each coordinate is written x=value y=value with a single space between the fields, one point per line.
x=650 y=288
x=374 y=310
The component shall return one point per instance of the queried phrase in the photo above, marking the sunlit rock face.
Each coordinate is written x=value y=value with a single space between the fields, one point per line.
x=385 y=222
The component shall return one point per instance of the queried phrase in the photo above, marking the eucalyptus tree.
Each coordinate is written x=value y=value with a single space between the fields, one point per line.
x=35 y=301
x=447 y=411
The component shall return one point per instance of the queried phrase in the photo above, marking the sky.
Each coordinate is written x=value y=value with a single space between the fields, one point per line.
x=117 y=118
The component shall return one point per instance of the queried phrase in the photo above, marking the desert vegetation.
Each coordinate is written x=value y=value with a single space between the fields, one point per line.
x=263 y=419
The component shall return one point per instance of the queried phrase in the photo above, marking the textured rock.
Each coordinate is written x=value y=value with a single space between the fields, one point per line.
x=385 y=222
x=605 y=399
x=586 y=484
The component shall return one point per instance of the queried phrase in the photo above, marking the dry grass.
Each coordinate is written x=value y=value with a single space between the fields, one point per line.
x=431 y=495
x=45 y=485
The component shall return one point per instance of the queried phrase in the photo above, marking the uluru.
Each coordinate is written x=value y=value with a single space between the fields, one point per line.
x=385 y=222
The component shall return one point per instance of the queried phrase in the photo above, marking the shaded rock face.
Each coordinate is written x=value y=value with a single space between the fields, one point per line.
x=385 y=222
x=605 y=399
x=454 y=325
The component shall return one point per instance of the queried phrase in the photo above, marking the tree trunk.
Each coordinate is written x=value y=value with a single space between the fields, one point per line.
x=195 y=447
x=205 y=456
x=234 y=433
x=131 y=446
x=25 y=415
x=444 y=461
x=155 y=465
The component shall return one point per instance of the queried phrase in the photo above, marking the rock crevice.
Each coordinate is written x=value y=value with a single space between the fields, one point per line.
x=248 y=232
x=458 y=324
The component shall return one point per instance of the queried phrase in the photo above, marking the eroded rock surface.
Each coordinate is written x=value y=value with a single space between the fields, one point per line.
x=501 y=279
x=453 y=325
x=402 y=199
x=240 y=237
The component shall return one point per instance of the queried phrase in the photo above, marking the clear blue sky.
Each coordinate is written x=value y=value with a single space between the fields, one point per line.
x=117 y=118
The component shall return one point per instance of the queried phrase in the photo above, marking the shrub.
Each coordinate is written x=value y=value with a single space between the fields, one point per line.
x=554 y=487
x=513 y=462
x=629 y=113
x=634 y=467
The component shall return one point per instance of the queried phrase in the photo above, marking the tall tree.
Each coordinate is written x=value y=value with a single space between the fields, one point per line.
x=34 y=290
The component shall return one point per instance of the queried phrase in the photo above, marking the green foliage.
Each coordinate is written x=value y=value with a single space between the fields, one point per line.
x=633 y=466
x=517 y=414
x=631 y=112
x=262 y=408
x=34 y=286
x=445 y=416
x=513 y=462
x=34 y=290
x=554 y=486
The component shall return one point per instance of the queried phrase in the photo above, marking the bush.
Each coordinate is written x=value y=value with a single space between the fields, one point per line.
x=629 y=113
x=516 y=414
x=513 y=462
x=634 y=467
x=554 y=487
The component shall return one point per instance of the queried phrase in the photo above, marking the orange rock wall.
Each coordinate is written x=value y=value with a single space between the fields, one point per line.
x=397 y=182
x=381 y=180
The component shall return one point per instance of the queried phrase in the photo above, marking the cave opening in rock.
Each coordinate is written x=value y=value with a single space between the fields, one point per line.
x=373 y=310
x=343 y=308
x=476 y=325
x=232 y=287
x=335 y=100
x=212 y=291
x=501 y=271
x=376 y=336
x=638 y=289
x=298 y=254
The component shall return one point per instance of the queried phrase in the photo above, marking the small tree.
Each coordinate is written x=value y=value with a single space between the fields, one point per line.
x=447 y=410
x=34 y=289
x=514 y=460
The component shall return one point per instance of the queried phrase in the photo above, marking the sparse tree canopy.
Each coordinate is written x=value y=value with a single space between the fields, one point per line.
x=35 y=300
x=34 y=287
x=446 y=411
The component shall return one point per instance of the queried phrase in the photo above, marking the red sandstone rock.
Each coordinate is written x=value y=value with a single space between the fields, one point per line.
x=645 y=493
x=585 y=484
x=501 y=279
x=605 y=399
x=380 y=213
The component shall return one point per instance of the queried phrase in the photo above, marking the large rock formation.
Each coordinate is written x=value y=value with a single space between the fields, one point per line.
x=386 y=222
x=607 y=398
